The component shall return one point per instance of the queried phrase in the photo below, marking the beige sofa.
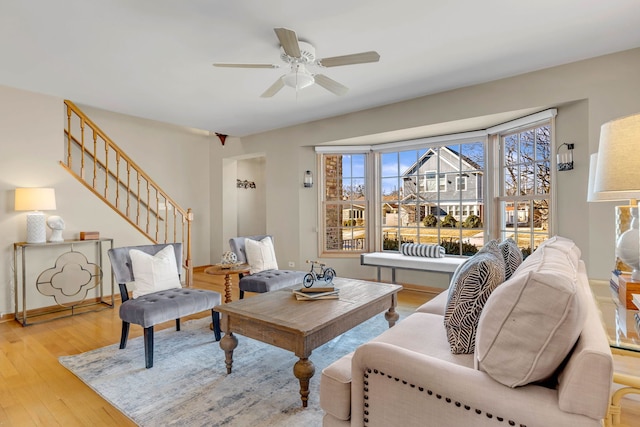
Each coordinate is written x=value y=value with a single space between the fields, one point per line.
x=408 y=376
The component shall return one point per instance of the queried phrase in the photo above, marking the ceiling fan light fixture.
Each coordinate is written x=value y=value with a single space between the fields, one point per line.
x=298 y=78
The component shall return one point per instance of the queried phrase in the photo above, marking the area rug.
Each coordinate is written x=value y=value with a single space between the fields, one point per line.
x=188 y=384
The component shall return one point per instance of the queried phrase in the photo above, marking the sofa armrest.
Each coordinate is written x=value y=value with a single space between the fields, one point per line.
x=395 y=386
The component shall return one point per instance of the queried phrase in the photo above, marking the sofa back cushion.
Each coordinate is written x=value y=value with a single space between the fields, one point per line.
x=532 y=321
x=471 y=285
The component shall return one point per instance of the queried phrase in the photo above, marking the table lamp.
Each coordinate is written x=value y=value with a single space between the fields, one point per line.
x=623 y=212
x=36 y=200
x=617 y=176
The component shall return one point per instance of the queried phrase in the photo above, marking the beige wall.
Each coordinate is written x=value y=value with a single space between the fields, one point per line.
x=200 y=173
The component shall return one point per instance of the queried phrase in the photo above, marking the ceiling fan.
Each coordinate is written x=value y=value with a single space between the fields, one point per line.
x=298 y=55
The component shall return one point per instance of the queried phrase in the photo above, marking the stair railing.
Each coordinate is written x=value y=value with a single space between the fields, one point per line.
x=98 y=163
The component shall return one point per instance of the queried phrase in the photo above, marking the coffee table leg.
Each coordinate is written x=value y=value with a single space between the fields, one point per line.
x=391 y=315
x=228 y=343
x=304 y=370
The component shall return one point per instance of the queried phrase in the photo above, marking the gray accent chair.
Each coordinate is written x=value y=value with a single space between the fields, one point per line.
x=264 y=281
x=157 y=307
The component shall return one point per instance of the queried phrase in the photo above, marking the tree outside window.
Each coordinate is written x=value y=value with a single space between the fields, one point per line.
x=526 y=189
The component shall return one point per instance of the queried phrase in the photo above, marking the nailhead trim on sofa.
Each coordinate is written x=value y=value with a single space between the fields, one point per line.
x=429 y=393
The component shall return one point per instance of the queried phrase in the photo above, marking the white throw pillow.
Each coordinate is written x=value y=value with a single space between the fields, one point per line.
x=154 y=273
x=260 y=255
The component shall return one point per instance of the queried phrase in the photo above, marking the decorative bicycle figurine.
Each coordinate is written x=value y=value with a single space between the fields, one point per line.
x=318 y=272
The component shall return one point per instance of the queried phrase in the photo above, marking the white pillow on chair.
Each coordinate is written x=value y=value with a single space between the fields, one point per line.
x=260 y=255
x=154 y=273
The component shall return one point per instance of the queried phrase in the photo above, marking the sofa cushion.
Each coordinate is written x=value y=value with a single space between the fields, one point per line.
x=271 y=280
x=512 y=256
x=423 y=333
x=422 y=250
x=260 y=255
x=470 y=288
x=435 y=305
x=531 y=322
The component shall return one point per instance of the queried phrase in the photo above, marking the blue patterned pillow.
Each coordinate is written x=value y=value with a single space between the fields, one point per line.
x=417 y=249
x=512 y=256
x=470 y=289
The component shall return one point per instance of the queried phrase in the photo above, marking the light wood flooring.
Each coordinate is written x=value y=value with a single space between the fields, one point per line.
x=35 y=390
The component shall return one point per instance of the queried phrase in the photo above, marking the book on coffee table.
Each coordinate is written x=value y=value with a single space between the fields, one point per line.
x=306 y=296
x=313 y=290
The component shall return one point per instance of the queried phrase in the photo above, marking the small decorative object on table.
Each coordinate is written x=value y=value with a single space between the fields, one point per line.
x=89 y=235
x=229 y=259
x=318 y=272
x=56 y=224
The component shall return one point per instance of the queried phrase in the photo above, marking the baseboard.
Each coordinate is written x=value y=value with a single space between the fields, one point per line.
x=87 y=306
x=431 y=290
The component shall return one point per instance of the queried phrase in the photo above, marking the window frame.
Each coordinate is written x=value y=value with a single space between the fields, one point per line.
x=491 y=180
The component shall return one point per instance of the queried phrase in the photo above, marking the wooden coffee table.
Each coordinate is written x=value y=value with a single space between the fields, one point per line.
x=277 y=318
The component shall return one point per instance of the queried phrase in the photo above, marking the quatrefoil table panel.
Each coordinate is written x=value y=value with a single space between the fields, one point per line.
x=68 y=282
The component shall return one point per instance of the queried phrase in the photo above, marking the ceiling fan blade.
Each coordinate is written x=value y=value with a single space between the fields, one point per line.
x=218 y=64
x=273 y=89
x=330 y=84
x=355 y=58
x=289 y=41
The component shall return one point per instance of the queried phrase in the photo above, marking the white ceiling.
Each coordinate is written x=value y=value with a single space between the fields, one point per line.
x=153 y=58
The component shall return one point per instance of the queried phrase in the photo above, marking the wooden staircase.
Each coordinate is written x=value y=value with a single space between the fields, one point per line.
x=98 y=163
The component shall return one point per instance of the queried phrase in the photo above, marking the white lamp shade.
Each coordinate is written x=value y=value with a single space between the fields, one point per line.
x=617 y=168
x=593 y=196
x=35 y=199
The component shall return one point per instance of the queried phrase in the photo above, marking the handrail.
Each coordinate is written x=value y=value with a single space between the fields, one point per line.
x=106 y=161
x=103 y=166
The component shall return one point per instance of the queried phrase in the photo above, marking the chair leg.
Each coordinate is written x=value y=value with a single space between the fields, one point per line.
x=148 y=347
x=177 y=324
x=216 y=324
x=241 y=294
x=124 y=336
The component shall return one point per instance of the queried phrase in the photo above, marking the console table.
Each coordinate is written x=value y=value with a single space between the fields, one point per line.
x=68 y=282
x=624 y=339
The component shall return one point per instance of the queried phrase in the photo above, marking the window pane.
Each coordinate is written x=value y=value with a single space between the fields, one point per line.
x=333 y=215
x=543 y=178
x=333 y=177
x=390 y=188
x=441 y=188
x=526 y=177
x=345 y=213
x=390 y=165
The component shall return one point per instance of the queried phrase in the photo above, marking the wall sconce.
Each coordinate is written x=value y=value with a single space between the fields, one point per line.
x=565 y=160
x=308 y=179
x=36 y=200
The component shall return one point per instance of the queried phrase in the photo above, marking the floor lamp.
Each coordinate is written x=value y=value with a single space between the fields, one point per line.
x=617 y=176
x=35 y=200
